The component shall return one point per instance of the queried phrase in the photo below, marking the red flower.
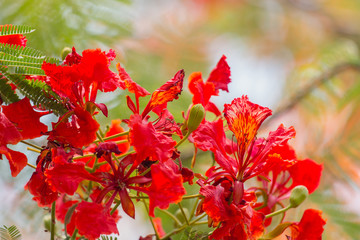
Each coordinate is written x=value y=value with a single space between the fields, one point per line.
x=65 y=177
x=82 y=76
x=81 y=131
x=311 y=226
x=148 y=142
x=13 y=39
x=219 y=79
x=238 y=221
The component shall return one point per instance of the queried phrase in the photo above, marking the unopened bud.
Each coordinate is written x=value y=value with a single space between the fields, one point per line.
x=298 y=195
x=197 y=114
x=65 y=52
x=47 y=222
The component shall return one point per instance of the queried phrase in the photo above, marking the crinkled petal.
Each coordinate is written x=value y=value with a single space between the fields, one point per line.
x=92 y=220
x=166 y=187
x=81 y=131
x=43 y=193
x=65 y=177
x=148 y=142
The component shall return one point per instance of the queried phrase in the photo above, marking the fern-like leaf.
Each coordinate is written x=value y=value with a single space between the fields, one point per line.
x=10 y=233
x=25 y=60
x=15 y=29
x=7 y=95
x=38 y=92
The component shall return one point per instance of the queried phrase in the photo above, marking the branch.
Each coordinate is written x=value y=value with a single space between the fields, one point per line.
x=315 y=83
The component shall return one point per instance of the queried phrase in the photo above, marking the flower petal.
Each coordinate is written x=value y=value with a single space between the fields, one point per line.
x=25 y=119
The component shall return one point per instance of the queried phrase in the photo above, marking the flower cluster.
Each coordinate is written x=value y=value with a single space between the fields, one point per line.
x=85 y=174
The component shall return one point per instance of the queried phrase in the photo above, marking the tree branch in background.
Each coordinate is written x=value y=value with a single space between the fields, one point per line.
x=317 y=82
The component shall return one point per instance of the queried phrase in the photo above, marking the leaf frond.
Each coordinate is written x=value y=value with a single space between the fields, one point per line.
x=9 y=29
x=10 y=233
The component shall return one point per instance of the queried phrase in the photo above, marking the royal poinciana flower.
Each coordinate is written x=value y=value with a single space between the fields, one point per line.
x=288 y=173
x=218 y=80
x=80 y=77
x=243 y=159
x=166 y=184
x=56 y=173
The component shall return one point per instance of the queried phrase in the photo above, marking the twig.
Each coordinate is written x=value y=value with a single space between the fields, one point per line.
x=315 y=83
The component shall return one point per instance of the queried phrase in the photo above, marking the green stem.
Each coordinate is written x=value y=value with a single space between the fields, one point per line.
x=194 y=222
x=100 y=138
x=278 y=212
x=171 y=215
x=52 y=224
x=115 y=207
x=73 y=237
x=152 y=223
x=183 y=213
x=31 y=145
x=192 y=196
x=194 y=208
x=183 y=139
x=85 y=156
x=113 y=136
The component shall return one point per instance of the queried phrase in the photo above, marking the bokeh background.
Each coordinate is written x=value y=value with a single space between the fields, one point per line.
x=297 y=57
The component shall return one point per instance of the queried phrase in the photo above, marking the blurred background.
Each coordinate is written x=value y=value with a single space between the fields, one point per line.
x=297 y=57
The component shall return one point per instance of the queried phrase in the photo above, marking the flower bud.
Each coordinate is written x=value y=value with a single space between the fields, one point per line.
x=47 y=222
x=197 y=114
x=298 y=195
x=65 y=52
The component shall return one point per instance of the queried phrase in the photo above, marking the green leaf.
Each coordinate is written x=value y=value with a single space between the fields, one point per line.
x=15 y=29
x=7 y=95
x=10 y=233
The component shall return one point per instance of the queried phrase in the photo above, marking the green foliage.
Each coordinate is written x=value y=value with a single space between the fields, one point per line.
x=25 y=60
x=15 y=29
x=7 y=95
x=38 y=92
x=10 y=233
